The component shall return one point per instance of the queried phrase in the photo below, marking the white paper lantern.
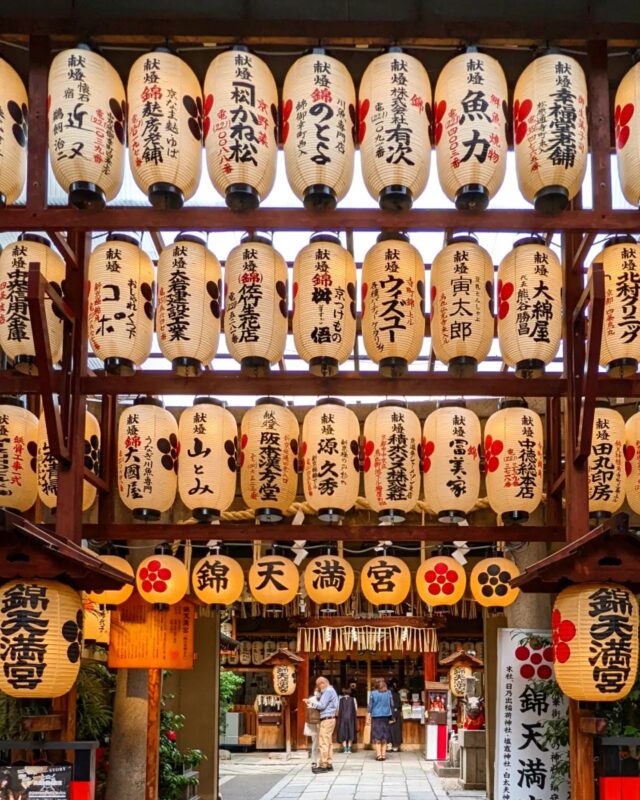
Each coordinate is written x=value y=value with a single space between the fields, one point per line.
x=627 y=134
x=606 y=462
x=632 y=461
x=18 y=448
x=14 y=122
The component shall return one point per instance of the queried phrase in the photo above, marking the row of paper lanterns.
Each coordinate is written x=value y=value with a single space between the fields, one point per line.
x=121 y=303
x=166 y=116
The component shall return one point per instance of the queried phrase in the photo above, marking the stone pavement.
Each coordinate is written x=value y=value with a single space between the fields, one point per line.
x=403 y=776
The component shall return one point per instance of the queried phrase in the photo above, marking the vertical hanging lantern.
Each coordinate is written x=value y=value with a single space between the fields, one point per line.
x=319 y=129
x=441 y=581
x=255 y=291
x=16 y=335
x=490 y=582
x=385 y=582
x=324 y=304
x=87 y=120
x=284 y=679
x=18 y=448
x=620 y=345
x=165 y=128
x=328 y=581
x=458 y=675
x=393 y=303
x=114 y=597
x=627 y=134
x=208 y=437
x=462 y=305
x=329 y=457
x=96 y=623
x=394 y=103
x=632 y=461
x=217 y=580
x=14 y=124
x=47 y=465
x=240 y=127
x=451 y=461
x=529 y=306
x=273 y=580
x=147 y=458
x=606 y=458
x=121 y=289
x=550 y=131
x=189 y=303
x=392 y=450
x=269 y=458
x=594 y=629
x=470 y=127
x=513 y=452
x=41 y=634
x=162 y=579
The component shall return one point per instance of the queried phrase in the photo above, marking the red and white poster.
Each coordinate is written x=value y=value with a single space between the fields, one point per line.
x=524 y=760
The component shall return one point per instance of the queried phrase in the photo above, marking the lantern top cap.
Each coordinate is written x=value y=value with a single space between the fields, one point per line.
x=84 y=46
x=262 y=237
x=123 y=237
x=162 y=48
x=512 y=402
x=535 y=238
x=210 y=401
x=461 y=238
x=148 y=400
x=391 y=403
x=324 y=236
x=189 y=237
x=271 y=401
x=548 y=51
x=34 y=237
x=619 y=238
x=459 y=403
x=334 y=401
x=240 y=48
x=12 y=400
x=395 y=48
x=602 y=402
x=387 y=236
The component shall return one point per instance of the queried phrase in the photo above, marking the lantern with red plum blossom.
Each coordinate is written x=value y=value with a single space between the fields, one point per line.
x=162 y=579
x=18 y=449
x=441 y=581
x=627 y=134
x=14 y=111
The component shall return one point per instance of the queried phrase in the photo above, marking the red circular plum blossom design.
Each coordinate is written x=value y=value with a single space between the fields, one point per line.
x=155 y=577
x=363 y=110
x=365 y=291
x=440 y=109
x=287 y=108
x=206 y=123
x=492 y=449
x=243 y=443
x=427 y=451
x=440 y=579
x=622 y=118
x=629 y=455
x=505 y=291
x=367 y=448
x=521 y=111
x=562 y=632
x=536 y=660
x=303 y=453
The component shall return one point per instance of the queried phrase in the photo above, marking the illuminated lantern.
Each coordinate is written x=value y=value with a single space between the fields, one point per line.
x=451 y=440
x=240 y=127
x=121 y=288
x=550 y=131
x=114 y=597
x=162 y=579
x=96 y=622
x=18 y=449
x=255 y=290
x=513 y=452
x=329 y=459
x=328 y=581
x=606 y=459
x=591 y=622
x=47 y=465
x=627 y=133
x=208 y=437
x=394 y=102
x=470 y=127
x=273 y=580
x=269 y=458
x=165 y=128
x=620 y=345
x=490 y=582
x=319 y=129
x=393 y=303
x=392 y=449
x=324 y=304
x=87 y=120
x=14 y=111
x=632 y=461
x=147 y=458
x=529 y=306
x=385 y=582
x=217 y=580
x=441 y=581
x=284 y=679
x=54 y=613
x=462 y=304
x=16 y=336
x=458 y=675
x=189 y=303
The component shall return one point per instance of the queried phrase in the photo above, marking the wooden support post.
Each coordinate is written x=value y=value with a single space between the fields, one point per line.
x=153 y=734
x=286 y=707
x=302 y=692
x=38 y=153
x=430 y=666
x=580 y=755
x=215 y=734
x=599 y=125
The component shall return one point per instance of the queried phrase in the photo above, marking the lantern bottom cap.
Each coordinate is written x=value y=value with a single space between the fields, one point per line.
x=165 y=196
x=186 y=367
x=530 y=368
x=206 y=514
x=600 y=514
x=256 y=366
x=330 y=514
x=119 y=366
x=623 y=367
x=323 y=366
x=25 y=364
x=463 y=366
x=515 y=517
x=85 y=196
x=386 y=610
x=472 y=197
x=395 y=198
x=318 y=197
x=269 y=515
x=328 y=608
x=393 y=367
x=551 y=200
x=242 y=197
x=3 y=200
x=146 y=514
x=452 y=517
x=161 y=606
x=393 y=515
x=273 y=609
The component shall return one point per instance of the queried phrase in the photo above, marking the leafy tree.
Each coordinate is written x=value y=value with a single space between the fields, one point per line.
x=229 y=685
x=174 y=762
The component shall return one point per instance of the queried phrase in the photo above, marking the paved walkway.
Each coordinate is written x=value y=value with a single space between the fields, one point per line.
x=403 y=776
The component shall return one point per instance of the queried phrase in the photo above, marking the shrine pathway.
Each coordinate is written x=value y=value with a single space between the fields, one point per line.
x=403 y=776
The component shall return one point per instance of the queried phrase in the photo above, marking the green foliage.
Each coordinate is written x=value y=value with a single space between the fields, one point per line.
x=229 y=685
x=13 y=711
x=174 y=763
x=96 y=688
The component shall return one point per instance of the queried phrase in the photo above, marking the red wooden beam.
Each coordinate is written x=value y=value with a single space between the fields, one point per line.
x=37 y=153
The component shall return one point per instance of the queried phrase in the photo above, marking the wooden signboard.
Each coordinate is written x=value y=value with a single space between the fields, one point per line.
x=144 y=638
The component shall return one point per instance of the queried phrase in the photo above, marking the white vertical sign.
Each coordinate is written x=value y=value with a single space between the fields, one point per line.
x=523 y=761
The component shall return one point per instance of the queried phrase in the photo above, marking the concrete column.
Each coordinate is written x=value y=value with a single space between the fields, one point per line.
x=530 y=610
x=127 y=752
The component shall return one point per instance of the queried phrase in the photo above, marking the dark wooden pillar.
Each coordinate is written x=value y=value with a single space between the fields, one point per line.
x=302 y=691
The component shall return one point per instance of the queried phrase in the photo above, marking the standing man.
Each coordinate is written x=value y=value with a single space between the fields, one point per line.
x=327 y=705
